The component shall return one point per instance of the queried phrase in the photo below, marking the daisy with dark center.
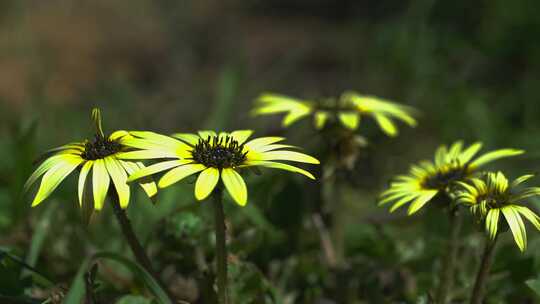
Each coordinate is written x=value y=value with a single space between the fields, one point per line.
x=100 y=162
x=492 y=195
x=217 y=159
x=427 y=179
x=348 y=110
x=497 y=202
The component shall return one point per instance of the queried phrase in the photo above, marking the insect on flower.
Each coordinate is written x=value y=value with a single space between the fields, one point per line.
x=348 y=109
x=99 y=160
x=427 y=179
x=213 y=157
x=492 y=194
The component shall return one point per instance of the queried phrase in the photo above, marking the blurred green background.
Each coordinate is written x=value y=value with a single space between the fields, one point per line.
x=471 y=67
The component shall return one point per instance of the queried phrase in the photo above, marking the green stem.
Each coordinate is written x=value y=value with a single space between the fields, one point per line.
x=221 y=246
x=134 y=244
x=449 y=263
x=483 y=272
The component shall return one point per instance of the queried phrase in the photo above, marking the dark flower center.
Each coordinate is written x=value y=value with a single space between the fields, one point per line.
x=219 y=152
x=494 y=200
x=99 y=148
x=442 y=180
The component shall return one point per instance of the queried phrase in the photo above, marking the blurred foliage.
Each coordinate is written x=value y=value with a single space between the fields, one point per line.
x=470 y=67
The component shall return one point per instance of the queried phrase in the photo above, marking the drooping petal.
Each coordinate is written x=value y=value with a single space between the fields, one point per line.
x=100 y=183
x=54 y=176
x=421 y=201
x=386 y=125
x=179 y=173
x=82 y=179
x=119 y=178
x=294 y=116
x=146 y=183
x=320 y=119
x=206 y=183
x=529 y=215
x=516 y=226
x=46 y=165
x=492 y=223
x=235 y=185
x=349 y=119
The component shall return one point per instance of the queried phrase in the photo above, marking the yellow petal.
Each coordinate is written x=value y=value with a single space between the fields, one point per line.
x=241 y=135
x=235 y=185
x=45 y=166
x=421 y=201
x=274 y=165
x=206 y=182
x=54 y=176
x=179 y=173
x=189 y=138
x=155 y=168
x=147 y=154
x=263 y=141
x=286 y=155
x=516 y=226
x=294 y=116
x=147 y=183
x=82 y=179
x=494 y=155
x=349 y=119
x=320 y=119
x=119 y=178
x=119 y=134
x=207 y=133
x=100 y=183
x=386 y=125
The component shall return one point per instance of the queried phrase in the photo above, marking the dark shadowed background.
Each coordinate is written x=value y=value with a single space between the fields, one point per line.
x=472 y=68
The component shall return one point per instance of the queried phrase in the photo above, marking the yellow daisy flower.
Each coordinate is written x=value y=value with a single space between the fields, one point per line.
x=427 y=179
x=214 y=157
x=102 y=156
x=493 y=194
x=348 y=109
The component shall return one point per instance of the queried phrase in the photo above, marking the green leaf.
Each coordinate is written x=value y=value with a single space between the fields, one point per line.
x=77 y=290
x=534 y=284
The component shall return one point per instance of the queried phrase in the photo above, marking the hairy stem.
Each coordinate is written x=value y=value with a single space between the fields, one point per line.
x=483 y=272
x=221 y=246
x=449 y=263
x=134 y=244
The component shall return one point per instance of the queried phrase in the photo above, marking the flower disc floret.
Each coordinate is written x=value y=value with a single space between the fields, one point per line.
x=100 y=147
x=219 y=152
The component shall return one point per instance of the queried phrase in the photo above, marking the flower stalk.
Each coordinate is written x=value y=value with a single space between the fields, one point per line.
x=134 y=244
x=482 y=276
x=221 y=246
x=449 y=263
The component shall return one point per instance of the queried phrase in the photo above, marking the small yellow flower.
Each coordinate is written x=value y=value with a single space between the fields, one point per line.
x=214 y=157
x=491 y=195
x=348 y=109
x=427 y=179
x=102 y=156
